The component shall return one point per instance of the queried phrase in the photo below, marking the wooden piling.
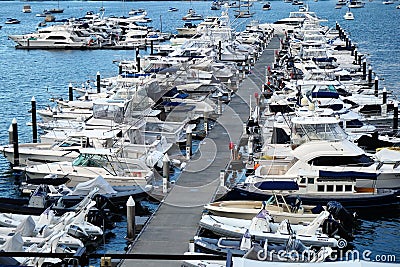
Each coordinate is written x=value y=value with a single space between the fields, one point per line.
x=395 y=116
x=98 y=81
x=188 y=143
x=70 y=92
x=384 y=96
x=130 y=217
x=166 y=167
x=219 y=50
x=376 y=86
x=364 y=68
x=15 y=141
x=34 y=120
x=369 y=75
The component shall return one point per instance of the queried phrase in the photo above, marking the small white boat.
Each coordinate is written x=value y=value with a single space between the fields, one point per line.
x=388 y=2
x=348 y=16
x=139 y=11
x=192 y=15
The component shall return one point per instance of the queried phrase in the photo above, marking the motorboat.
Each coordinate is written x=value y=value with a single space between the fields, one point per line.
x=297 y=2
x=295 y=19
x=215 y=5
x=355 y=4
x=49 y=18
x=188 y=30
x=173 y=9
x=63 y=150
x=118 y=195
x=134 y=12
x=349 y=15
x=53 y=37
x=92 y=162
x=26 y=9
x=261 y=228
x=43 y=14
x=12 y=21
x=388 y=2
x=398 y=6
x=192 y=15
x=243 y=14
x=267 y=6
x=276 y=205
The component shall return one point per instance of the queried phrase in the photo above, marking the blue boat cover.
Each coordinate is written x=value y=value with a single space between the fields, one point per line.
x=348 y=174
x=277 y=185
x=325 y=94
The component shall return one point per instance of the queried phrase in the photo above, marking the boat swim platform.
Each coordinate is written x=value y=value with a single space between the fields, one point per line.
x=175 y=222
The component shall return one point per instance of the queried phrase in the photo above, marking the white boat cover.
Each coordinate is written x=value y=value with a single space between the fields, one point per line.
x=388 y=155
x=99 y=182
x=13 y=244
x=26 y=227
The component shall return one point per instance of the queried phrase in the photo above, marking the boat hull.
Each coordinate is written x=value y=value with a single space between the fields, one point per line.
x=359 y=201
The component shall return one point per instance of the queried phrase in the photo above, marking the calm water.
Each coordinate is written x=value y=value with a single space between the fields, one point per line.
x=46 y=74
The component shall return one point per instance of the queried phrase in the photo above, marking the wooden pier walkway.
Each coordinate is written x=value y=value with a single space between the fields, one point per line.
x=176 y=221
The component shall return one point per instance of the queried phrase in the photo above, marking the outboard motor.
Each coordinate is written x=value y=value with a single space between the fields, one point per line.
x=343 y=222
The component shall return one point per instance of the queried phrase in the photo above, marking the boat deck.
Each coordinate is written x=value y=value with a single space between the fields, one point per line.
x=175 y=222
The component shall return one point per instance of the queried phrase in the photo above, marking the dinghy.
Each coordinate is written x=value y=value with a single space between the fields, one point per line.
x=261 y=228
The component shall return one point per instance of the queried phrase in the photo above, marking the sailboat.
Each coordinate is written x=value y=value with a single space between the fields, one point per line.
x=58 y=9
x=102 y=7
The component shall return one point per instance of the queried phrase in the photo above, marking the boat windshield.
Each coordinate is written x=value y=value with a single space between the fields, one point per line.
x=89 y=160
x=302 y=133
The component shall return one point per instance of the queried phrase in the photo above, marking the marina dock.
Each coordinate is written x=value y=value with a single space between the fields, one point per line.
x=175 y=222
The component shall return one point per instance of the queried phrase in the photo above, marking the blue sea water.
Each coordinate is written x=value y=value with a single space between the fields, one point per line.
x=46 y=74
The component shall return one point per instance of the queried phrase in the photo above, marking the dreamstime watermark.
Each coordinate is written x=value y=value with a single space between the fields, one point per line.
x=325 y=254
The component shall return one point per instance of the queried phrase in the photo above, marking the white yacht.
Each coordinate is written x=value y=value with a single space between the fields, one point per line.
x=92 y=162
x=56 y=37
x=320 y=148
x=349 y=15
